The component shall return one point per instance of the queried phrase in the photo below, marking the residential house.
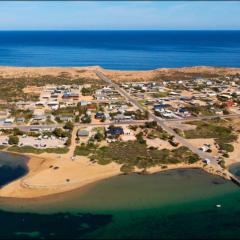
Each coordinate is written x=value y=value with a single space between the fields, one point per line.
x=114 y=131
x=82 y=133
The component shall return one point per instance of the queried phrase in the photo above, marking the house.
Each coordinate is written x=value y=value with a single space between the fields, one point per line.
x=174 y=94
x=91 y=107
x=45 y=96
x=53 y=105
x=39 y=118
x=9 y=120
x=99 y=115
x=35 y=129
x=69 y=95
x=225 y=96
x=211 y=94
x=121 y=117
x=230 y=104
x=65 y=118
x=209 y=83
x=114 y=131
x=161 y=106
x=183 y=112
x=82 y=133
x=20 y=120
x=218 y=111
x=100 y=96
x=186 y=98
x=167 y=114
x=83 y=103
x=39 y=105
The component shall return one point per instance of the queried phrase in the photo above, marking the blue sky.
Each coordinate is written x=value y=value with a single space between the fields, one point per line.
x=119 y=15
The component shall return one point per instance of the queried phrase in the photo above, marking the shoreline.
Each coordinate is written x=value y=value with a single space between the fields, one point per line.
x=40 y=181
x=54 y=173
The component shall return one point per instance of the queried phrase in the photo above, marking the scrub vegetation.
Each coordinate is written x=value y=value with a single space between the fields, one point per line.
x=220 y=130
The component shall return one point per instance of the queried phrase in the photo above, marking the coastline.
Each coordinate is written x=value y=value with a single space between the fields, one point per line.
x=43 y=181
x=53 y=173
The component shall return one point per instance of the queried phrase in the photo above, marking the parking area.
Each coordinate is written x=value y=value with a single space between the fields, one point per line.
x=37 y=142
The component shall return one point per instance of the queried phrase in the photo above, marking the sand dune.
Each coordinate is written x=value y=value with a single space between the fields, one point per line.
x=117 y=75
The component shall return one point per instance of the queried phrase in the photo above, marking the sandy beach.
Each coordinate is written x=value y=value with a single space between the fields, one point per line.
x=51 y=173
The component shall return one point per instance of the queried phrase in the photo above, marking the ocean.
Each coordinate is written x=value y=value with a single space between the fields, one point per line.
x=124 y=50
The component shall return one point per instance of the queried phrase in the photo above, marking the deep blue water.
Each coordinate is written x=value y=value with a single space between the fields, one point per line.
x=120 y=49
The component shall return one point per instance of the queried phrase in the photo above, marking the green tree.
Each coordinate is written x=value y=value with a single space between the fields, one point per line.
x=140 y=139
x=86 y=119
x=69 y=125
x=152 y=124
x=99 y=136
x=77 y=119
x=13 y=140
x=87 y=91
x=17 y=131
x=58 y=132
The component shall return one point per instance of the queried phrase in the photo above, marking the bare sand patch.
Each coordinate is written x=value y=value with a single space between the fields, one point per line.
x=117 y=75
x=199 y=142
x=234 y=156
x=181 y=126
x=51 y=174
x=159 y=143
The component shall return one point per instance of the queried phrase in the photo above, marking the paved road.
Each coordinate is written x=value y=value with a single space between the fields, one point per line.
x=53 y=126
x=161 y=122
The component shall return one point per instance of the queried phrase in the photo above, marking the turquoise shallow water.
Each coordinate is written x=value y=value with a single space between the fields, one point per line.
x=173 y=204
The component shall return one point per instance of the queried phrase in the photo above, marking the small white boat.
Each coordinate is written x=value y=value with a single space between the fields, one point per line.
x=218 y=205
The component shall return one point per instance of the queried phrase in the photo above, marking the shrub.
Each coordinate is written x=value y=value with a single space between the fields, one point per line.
x=13 y=140
x=69 y=125
x=30 y=149
x=140 y=139
x=152 y=124
x=226 y=147
x=127 y=168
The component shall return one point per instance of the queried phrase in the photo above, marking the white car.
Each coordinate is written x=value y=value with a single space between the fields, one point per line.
x=207 y=161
